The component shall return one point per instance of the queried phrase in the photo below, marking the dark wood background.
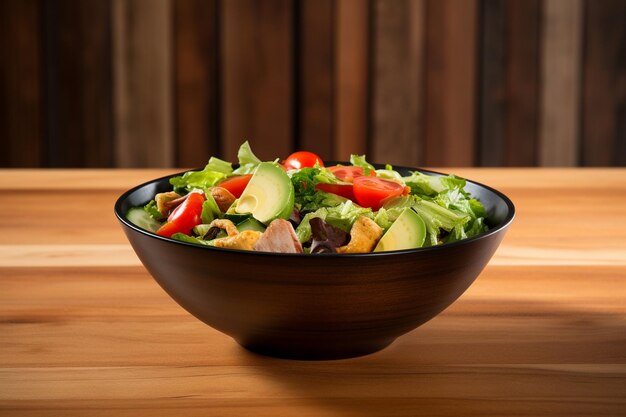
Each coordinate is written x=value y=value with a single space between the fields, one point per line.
x=160 y=83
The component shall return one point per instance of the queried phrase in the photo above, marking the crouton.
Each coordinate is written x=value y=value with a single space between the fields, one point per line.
x=364 y=236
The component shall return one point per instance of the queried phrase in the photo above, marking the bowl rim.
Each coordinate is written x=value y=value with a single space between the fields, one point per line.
x=499 y=228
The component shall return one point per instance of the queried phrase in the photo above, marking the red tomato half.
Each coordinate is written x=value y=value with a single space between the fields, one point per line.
x=370 y=192
x=236 y=184
x=184 y=217
x=349 y=173
x=344 y=190
x=302 y=159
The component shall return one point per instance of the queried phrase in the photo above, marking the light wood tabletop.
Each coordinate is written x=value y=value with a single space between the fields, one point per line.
x=84 y=330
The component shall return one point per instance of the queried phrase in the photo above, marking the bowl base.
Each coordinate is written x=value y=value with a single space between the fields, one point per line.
x=315 y=353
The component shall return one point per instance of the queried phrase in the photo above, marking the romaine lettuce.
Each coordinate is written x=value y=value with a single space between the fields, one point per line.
x=248 y=161
x=190 y=239
x=359 y=161
x=210 y=209
x=341 y=216
x=153 y=211
x=306 y=197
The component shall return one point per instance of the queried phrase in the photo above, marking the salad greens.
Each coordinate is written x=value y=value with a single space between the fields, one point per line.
x=217 y=170
x=306 y=197
x=216 y=206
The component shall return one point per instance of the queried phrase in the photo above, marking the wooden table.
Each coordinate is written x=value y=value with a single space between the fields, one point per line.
x=84 y=330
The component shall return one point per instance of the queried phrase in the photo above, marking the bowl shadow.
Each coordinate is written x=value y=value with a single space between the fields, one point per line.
x=515 y=375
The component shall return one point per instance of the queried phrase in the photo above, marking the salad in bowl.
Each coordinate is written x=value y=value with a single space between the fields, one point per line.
x=303 y=205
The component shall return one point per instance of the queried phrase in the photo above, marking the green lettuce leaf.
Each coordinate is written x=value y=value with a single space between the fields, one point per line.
x=151 y=209
x=388 y=173
x=196 y=179
x=190 y=239
x=248 y=161
x=435 y=216
x=422 y=184
x=459 y=200
x=341 y=216
x=304 y=182
x=359 y=161
x=219 y=165
x=210 y=209
x=215 y=171
x=385 y=217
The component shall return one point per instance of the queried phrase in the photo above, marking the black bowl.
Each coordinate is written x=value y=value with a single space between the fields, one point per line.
x=326 y=306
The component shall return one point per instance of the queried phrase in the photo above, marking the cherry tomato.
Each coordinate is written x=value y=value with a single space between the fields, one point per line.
x=302 y=159
x=236 y=184
x=184 y=217
x=349 y=173
x=344 y=190
x=371 y=192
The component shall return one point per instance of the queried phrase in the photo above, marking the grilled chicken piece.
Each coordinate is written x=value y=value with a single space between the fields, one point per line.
x=166 y=202
x=279 y=237
x=364 y=235
x=222 y=197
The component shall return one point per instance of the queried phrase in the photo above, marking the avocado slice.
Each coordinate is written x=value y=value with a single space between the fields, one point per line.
x=407 y=232
x=269 y=194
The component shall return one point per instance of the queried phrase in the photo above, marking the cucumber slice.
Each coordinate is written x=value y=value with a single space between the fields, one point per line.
x=139 y=217
x=251 y=224
x=237 y=218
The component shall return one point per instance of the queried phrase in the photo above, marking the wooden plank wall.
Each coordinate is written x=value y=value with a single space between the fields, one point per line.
x=160 y=83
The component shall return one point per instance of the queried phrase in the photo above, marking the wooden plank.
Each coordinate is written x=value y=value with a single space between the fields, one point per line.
x=257 y=61
x=142 y=83
x=604 y=102
x=560 y=78
x=352 y=58
x=451 y=45
x=85 y=331
x=316 y=74
x=78 y=83
x=313 y=407
x=84 y=179
x=20 y=85
x=397 y=81
x=523 y=82
x=492 y=97
x=195 y=31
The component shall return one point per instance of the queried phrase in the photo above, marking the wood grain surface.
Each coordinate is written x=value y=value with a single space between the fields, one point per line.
x=256 y=102
x=315 y=75
x=196 y=28
x=397 y=95
x=352 y=79
x=522 y=82
x=451 y=45
x=604 y=113
x=21 y=94
x=78 y=84
x=142 y=83
x=84 y=330
x=559 y=135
